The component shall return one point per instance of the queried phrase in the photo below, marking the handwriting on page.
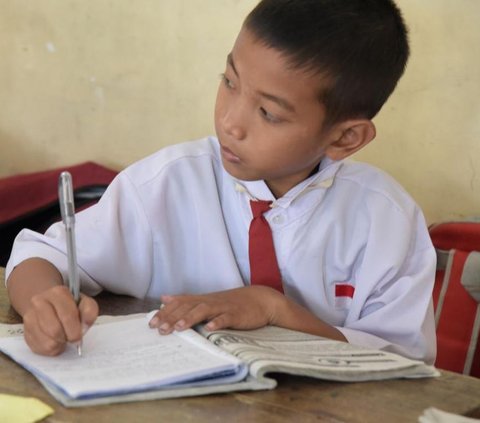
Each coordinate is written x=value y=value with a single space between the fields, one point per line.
x=11 y=330
x=123 y=356
x=167 y=357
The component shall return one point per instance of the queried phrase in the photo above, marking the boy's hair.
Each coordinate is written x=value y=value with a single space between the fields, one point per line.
x=360 y=47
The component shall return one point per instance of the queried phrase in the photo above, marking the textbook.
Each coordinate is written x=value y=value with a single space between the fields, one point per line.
x=124 y=360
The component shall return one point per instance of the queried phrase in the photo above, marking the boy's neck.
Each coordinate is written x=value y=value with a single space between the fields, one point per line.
x=279 y=192
x=315 y=169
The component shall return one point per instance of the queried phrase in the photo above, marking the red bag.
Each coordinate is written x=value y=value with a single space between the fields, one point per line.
x=456 y=296
x=31 y=200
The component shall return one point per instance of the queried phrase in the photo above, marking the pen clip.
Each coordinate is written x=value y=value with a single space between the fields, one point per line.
x=65 y=195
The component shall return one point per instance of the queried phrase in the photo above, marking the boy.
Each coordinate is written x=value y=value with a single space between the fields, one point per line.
x=301 y=85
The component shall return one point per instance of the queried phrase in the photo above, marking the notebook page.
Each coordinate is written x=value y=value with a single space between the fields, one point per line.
x=123 y=357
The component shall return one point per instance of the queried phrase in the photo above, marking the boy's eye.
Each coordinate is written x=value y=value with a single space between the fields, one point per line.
x=228 y=83
x=269 y=117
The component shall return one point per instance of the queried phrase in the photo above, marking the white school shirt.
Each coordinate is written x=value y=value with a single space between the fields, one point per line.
x=176 y=222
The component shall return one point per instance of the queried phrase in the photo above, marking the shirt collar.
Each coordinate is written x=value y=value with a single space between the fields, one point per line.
x=323 y=179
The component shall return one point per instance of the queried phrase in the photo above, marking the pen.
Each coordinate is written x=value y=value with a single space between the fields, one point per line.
x=67 y=210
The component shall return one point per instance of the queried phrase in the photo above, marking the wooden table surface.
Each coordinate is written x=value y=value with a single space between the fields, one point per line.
x=295 y=399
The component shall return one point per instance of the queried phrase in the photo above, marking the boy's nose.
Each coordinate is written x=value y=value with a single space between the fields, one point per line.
x=233 y=123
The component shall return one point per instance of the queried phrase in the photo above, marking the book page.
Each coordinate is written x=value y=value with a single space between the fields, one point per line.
x=127 y=356
x=273 y=349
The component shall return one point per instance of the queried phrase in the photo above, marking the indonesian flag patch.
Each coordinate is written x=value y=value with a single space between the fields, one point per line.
x=343 y=294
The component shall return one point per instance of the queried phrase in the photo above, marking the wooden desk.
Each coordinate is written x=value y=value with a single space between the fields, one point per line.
x=295 y=399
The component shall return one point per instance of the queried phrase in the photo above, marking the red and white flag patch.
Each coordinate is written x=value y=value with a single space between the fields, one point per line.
x=343 y=294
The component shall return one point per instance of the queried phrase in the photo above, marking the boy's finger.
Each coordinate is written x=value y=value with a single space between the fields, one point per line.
x=201 y=312
x=42 y=344
x=219 y=322
x=88 y=308
x=45 y=320
x=171 y=315
x=68 y=314
x=165 y=320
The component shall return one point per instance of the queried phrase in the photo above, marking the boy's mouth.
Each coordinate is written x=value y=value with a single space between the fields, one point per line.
x=228 y=155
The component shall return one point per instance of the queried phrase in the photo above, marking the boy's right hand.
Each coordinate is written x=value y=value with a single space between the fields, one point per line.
x=53 y=319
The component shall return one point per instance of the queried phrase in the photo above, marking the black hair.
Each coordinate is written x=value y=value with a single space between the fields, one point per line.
x=359 y=46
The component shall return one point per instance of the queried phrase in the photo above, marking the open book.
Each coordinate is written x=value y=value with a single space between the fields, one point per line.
x=125 y=360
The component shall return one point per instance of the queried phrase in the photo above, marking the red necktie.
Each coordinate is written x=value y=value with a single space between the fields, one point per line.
x=263 y=261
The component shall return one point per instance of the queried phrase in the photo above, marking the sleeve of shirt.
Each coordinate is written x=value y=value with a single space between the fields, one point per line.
x=114 y=243
x=392 y=305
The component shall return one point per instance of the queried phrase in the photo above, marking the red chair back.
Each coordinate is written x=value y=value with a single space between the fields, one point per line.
x=456 y=296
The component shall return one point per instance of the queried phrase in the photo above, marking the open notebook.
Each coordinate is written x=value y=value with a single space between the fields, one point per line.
x=125 y=360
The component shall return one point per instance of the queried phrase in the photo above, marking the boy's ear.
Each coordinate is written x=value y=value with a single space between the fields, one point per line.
x=349 y=137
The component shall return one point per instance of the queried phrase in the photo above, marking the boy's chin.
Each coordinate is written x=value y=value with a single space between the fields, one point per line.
x=240 y=174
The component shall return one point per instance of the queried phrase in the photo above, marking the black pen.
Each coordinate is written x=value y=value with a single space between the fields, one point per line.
x=67 y=210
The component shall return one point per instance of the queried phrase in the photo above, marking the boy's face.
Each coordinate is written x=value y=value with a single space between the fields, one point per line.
x=268 y=118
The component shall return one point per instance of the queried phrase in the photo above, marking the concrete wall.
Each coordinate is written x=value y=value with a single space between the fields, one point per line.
x=114 y=80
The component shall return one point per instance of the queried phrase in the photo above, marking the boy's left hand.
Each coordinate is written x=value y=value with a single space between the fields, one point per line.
x=249 y=307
